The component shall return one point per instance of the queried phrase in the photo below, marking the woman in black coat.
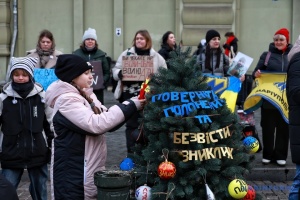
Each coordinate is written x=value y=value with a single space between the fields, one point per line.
x=168 y=44
x=272 y=123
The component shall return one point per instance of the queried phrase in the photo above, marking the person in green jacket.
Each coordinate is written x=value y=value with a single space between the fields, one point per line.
x=89 y=51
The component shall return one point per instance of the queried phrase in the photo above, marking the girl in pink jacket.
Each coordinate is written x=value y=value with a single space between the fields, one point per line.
x=79 y=122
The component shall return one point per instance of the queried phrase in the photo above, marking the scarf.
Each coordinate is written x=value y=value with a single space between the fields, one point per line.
x=44 y=55
x=23 y=89
x=142 y=52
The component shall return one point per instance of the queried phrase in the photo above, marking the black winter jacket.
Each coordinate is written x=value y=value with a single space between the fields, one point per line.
x=293 y=97
x=165 y=53
x=25 y=129
x=277 y=62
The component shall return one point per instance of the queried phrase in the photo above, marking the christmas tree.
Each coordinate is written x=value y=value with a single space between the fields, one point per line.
x=187 y=124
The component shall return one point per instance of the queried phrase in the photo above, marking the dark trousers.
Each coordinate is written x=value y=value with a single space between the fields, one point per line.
x=133 y=131
x=274 y=130
x=99 y=94
x=7 y=190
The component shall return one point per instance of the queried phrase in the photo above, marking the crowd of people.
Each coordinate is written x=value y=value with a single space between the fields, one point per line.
x=65 y=125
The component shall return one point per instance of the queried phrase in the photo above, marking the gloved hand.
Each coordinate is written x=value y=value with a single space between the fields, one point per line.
x=120 y=75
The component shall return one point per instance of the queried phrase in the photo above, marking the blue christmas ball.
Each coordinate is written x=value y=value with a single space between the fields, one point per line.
x=127 y=164
x=251 y=143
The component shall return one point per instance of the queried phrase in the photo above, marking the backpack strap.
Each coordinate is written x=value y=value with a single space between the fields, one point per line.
x=267 y=58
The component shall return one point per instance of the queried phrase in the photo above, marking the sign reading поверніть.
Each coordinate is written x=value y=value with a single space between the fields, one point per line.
x=136 y=68
x=191 y=101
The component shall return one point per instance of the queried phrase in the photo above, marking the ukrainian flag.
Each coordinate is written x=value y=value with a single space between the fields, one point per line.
x=227 y=87
x=270 y=87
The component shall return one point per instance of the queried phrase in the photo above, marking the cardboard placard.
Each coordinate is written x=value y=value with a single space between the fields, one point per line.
x=98 y=82
x=136 y=68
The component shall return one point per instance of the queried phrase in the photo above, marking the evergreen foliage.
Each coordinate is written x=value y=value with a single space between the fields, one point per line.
x=189 y=181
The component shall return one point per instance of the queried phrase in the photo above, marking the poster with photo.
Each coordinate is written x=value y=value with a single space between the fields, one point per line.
x=239 y=65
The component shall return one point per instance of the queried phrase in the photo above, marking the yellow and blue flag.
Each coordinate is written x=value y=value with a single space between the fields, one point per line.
x=270 y=87
x=227 y=87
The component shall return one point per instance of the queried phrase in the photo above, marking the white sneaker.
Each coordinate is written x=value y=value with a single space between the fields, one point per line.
x=281 y=162
x=265 y=161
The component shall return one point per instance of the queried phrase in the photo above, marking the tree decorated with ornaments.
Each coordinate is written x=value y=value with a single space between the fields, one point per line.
x=194 y=146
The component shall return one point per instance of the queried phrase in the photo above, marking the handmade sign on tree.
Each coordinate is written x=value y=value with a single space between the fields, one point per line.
x=203 y=136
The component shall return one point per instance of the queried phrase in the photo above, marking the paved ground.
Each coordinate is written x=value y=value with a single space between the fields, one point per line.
x=271 y=181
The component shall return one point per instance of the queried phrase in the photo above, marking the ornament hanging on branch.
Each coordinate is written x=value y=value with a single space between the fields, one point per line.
x=166 y=170
x=209 y=194
x=126 y=164
x=238 y=188
x=251 y=194
x=143 y=193
x=251 y=143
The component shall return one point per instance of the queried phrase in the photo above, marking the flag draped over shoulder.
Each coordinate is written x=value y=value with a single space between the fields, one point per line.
x=270 y=87
x=227 y=87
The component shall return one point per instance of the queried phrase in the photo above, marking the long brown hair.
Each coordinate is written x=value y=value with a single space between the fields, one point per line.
x=209 y=54
x=46 y=33
x=89 y=99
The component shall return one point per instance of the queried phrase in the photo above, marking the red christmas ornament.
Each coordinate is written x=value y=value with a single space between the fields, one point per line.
x=251 y=194
x=166 y=170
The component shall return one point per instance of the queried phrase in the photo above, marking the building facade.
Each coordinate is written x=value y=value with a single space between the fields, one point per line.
x=253 y=21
